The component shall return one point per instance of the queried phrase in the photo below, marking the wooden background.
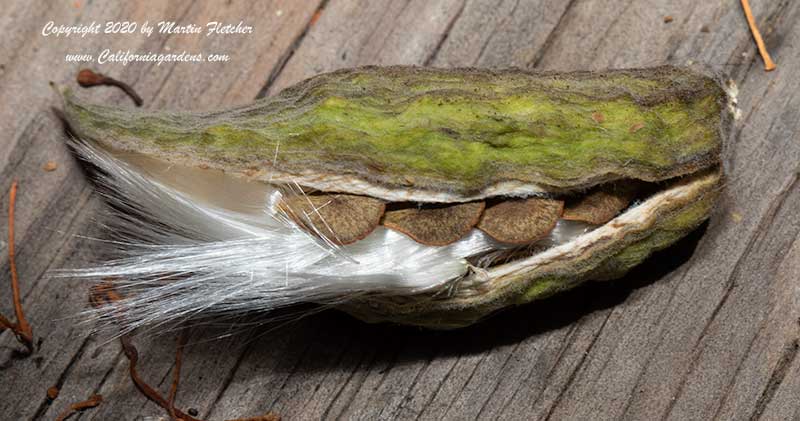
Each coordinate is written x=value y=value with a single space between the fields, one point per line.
x=708 y=330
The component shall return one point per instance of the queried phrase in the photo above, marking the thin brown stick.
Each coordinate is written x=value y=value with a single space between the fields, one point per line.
x=92 y=402
x=176 y=375
x=22 y=329
x=22 y=324
x=88 y=78
x=104 y=294
x=5 y=323
x=769 y=65
x=133 y=358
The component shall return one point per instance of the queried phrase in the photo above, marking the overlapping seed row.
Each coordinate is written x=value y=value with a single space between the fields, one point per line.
x=346 y=218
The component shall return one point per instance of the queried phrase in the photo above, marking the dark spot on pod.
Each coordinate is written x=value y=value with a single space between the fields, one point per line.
x=636 y=127
x=449 y=132
x=435 y=225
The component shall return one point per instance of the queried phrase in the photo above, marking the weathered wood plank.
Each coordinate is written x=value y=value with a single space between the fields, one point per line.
x=352 y=33
x=715 y=337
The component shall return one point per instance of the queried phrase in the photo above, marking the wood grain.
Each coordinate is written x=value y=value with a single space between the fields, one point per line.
x=706 y=330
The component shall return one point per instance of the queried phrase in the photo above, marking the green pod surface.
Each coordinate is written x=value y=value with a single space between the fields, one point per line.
x=442 y=135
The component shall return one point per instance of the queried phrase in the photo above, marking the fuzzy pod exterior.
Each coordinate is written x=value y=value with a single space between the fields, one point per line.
x=442 y=135
x=447 y=136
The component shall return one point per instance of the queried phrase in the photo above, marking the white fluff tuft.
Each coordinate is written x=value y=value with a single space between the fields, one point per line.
x=202 y=246
x=184 y=257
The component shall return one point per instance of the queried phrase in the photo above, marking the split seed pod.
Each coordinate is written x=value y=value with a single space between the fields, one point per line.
x=429 y=197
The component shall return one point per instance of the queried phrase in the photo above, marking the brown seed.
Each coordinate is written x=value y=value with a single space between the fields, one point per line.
x=341 y=218
x=601 y=205
x=598 y=117
x=49 y=166
x=435 y=225
x=521 y=221
x=668 y=19
x=52 y=392
x=636 y=127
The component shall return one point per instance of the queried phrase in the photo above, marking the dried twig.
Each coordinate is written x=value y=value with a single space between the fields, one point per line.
x=22 y=329
x=88 y=78
x=176 y=375
x=104 y=294
x=133 y=358
x=93 y=401
x=769 y=65
x=5 y=323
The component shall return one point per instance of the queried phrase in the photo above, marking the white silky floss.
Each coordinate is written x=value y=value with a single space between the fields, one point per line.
x=197 y=242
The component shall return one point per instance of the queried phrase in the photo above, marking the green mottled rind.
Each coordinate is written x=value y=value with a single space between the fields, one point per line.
x=455 y=130
x=608 y=259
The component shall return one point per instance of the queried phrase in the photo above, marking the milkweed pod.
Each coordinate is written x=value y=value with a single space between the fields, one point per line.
x=439 y=155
